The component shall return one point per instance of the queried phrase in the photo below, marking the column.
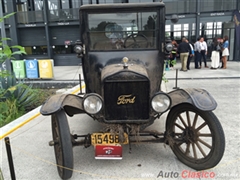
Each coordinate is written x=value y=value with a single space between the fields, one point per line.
x=198 y=19
x=47 y=32
x=11 y=6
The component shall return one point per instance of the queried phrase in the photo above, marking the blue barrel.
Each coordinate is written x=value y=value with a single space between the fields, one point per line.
x=32 y=68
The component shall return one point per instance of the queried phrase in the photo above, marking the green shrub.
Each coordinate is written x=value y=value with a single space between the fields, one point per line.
x=9 y=111
x=13 y=98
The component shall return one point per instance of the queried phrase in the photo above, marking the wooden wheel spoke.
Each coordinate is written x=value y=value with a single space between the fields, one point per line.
x=187 y=149
x=205 y=143
x=205 y=134
x=197 y=138
x=195 y=120
x=201 y=126
x=180 y=127
x=182 y=120
x=201 y=150
x=188 y=118
x=179 y=143
x=194 y=151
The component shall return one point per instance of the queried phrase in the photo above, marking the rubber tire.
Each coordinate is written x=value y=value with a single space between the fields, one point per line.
x=218 y=141
x=60 y=123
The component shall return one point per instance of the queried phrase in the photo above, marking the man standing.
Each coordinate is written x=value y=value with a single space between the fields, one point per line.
x=202 y=49
x=184 y=49
x=197 y=54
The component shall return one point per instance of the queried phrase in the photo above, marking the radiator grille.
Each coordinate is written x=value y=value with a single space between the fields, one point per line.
x=126 y=100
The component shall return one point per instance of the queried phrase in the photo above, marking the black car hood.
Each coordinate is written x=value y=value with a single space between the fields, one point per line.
x=112 y=69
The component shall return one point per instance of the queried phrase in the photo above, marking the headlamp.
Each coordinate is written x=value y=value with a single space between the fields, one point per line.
x=169 y=47
x=78 y=49
x=92 y=103
x=161 y=102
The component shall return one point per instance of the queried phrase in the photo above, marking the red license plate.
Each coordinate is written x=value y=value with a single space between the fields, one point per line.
x=108 y=152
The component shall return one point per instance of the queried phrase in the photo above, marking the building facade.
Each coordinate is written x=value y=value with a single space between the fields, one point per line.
x=48 y=28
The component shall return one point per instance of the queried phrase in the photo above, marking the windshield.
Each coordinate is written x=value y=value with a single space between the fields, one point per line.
x=116 y=31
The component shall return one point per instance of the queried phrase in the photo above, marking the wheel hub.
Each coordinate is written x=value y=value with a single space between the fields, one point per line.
x=189 y=135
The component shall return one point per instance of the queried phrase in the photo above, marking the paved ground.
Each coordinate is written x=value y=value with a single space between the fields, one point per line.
x=34 y=159
x=62 y=73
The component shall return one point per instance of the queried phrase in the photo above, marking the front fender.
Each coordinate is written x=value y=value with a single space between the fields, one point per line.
x=200 y=98
x=72 y=104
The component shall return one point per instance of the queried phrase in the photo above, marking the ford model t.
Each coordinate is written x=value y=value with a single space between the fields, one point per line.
x=123 y=48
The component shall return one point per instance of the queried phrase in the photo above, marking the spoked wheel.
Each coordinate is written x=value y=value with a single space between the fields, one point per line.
x=62 y=144
x=196 y=137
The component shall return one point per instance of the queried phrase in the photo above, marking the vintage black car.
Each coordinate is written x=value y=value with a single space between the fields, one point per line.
x=123 y=48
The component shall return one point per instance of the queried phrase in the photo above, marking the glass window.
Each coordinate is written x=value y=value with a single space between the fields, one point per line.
x=193 y=29
x=193 y=26
x=167 y=27
x=142 y=1
x=4 y=6
x=65 y=4
x=168 y=30
x=36 y=50
x=185 y=33
x=177 y=31
x=21 y=1
x=53 y=6
x=53 y=9
x=180 y=6
x=217 y=5
x=209 y=25
x=38 y=5
x=212 y=26
x=193 y=33
x=218 y=25
x=177 y=27
x=52 y=3
x=78 y=3
x=185 y=26
x=22 y=6
x=122 y=30
x=109 y=1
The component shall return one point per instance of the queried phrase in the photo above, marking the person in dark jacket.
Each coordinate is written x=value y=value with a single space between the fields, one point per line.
x=184 y=49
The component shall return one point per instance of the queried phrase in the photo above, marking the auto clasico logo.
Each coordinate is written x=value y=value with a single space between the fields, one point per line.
x=186 y=174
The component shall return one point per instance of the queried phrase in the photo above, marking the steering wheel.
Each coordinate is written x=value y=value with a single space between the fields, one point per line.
x=136 y=40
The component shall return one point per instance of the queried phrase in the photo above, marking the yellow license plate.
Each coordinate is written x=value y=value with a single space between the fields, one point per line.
x=107 y=138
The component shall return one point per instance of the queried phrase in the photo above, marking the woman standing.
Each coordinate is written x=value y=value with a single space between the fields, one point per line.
x=215 y=54
x=225 y=51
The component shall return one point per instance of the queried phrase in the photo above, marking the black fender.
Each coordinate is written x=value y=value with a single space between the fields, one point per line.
x=72 y=104
x=199 y=98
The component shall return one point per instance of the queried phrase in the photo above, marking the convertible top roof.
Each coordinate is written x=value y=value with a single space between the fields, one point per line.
x=121 y=6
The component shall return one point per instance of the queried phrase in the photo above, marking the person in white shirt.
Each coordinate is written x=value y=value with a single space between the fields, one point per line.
x=202 y=49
